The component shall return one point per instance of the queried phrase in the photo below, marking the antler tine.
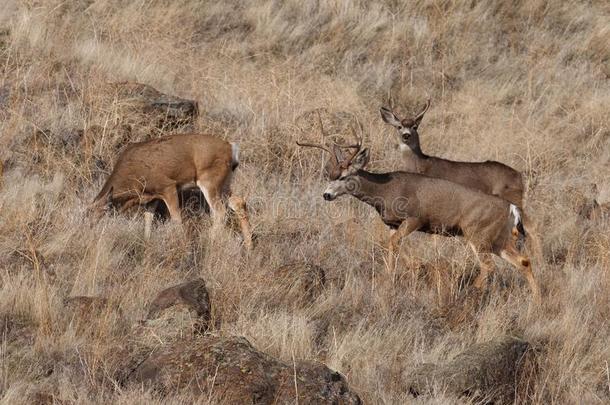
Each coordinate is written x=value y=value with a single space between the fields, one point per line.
x=321 y=125
x=357 y=146
x=314 y=145
x=358 y=137
x=421 y=114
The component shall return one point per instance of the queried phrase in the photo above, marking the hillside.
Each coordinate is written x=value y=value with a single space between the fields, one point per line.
x=525 y=83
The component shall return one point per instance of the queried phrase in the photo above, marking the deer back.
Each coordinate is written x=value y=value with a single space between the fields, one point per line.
x=151 y=166
x=489 y=177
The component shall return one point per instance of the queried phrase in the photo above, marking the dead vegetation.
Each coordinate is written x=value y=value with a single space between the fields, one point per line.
x=522 y=83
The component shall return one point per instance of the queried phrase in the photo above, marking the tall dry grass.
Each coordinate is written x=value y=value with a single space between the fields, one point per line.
x=525 y=83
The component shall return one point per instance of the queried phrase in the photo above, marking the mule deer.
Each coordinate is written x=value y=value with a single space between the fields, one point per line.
x=490 y=177
x=409 y=202
x=158 y=168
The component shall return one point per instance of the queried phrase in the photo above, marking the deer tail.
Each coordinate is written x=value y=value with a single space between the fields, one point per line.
x=516 y=218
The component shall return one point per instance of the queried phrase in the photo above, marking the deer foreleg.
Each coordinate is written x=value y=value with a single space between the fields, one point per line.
x=170 y=198
x=406 y=227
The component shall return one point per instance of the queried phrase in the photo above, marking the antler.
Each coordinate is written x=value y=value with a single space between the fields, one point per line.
x=357 y=146
x=421 y=114
x=320 y=146
x=315 y=145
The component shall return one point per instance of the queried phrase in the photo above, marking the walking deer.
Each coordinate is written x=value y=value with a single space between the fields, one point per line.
x=409 y=202
x=157 y=169
x=490 y=177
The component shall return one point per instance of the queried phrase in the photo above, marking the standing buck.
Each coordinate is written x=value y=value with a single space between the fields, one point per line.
x=157 y=169
x=409 y=202
x=490 y=177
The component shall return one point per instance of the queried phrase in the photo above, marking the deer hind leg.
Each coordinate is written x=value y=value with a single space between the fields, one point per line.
x=532 y=229
x=524 y=265
x=170 y=197
x=213 y=195
x=239 y=208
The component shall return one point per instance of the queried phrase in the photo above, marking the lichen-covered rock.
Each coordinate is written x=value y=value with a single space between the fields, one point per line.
x=191 y=296
x=230 y=370
x=486 y=371
x=140 y=103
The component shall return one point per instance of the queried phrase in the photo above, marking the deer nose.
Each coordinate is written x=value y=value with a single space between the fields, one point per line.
x=327 y=196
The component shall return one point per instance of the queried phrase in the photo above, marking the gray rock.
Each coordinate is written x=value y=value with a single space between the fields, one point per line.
x=230 y=370
x=191 y=295
x=488 y=372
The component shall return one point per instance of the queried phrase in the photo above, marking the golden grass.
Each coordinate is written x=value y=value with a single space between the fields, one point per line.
x=524 y=83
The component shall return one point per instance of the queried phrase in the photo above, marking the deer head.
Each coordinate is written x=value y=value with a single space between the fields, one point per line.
x=348 y=182
x=407 y=127
x=347 y=169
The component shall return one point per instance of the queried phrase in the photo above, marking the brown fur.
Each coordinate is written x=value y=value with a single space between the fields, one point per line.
x=489 y=177
x=409 y=202
x=158 y=168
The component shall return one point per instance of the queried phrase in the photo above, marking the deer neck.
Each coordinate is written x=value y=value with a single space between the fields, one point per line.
x=416 y=160
x=371 y=189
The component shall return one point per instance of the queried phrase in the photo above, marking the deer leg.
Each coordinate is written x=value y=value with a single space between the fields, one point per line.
x=217 y=206
x=406 y=227
x=149 y=216
x=531 y=227
x=170 y=197
x=523 y=264
x=148 y=220
x=486 y=267
x=239 y=208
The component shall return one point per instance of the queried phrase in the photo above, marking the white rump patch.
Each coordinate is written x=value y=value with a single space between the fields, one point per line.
x=515 y=213
x=235 y=153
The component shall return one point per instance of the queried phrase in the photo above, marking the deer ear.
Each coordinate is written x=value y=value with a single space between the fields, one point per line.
x=388 y=116
x=361 y=159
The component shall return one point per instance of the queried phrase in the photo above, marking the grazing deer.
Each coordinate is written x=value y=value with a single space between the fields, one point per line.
x=409 y=202
x=490 y=177
x=158 y=168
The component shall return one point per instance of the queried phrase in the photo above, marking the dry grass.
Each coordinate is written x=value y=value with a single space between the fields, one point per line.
x=525 y=83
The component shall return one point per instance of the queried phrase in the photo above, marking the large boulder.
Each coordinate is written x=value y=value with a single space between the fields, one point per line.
x=487 y=372
x=230 y=370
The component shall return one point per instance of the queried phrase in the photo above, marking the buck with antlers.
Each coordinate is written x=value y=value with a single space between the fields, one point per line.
x=157 y=169
x=409 y=202
x=490 y=177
